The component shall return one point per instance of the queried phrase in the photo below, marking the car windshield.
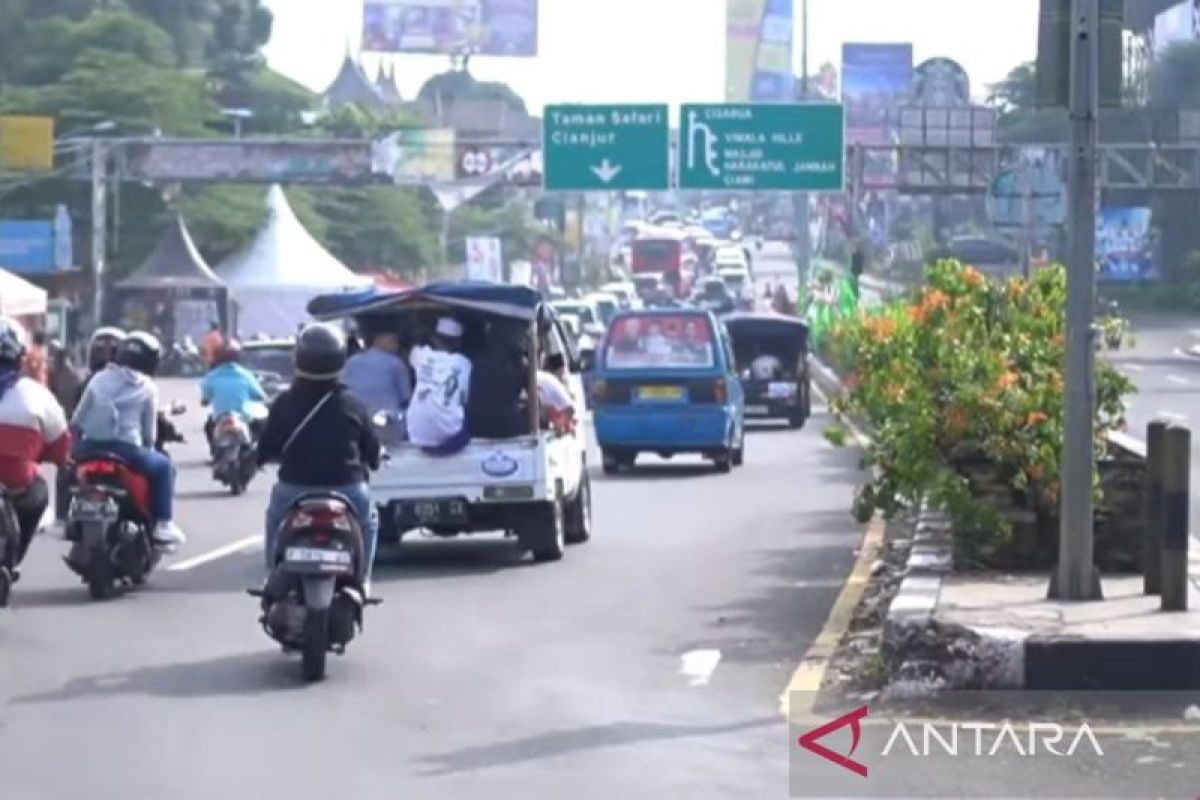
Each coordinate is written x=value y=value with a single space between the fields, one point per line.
x=666 y=341
x=274 y=360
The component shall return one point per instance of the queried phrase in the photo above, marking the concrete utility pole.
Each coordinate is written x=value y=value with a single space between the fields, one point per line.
x=99 y=226
x=1076 y=577
x=800 y=199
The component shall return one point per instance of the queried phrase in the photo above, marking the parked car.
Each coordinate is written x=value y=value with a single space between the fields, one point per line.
x=271 y=362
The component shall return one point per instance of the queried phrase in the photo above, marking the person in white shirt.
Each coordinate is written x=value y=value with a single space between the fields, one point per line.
x=436 y=416
x=555 y=398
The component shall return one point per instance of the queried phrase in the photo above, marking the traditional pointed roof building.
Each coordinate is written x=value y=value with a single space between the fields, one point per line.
x=387 y=86
x=353 y=86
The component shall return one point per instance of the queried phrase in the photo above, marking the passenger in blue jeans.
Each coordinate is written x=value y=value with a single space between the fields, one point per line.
x=322 y=437
x=118 y=414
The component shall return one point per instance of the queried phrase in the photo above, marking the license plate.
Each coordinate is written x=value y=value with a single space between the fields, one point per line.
x=660 y=393
x=312 y=555
x=431 y=512
x=91 y=509
x=780 y=391
x=758 y=409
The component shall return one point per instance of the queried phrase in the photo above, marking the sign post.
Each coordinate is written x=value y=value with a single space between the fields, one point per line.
x=768 y=147
x=606 y=148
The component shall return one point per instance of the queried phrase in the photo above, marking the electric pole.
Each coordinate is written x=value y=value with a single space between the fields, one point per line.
x=1076 y=577
x=99 y=226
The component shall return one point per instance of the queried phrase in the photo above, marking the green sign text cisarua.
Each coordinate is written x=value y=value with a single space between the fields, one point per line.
x=762 y=147
x=610 y=147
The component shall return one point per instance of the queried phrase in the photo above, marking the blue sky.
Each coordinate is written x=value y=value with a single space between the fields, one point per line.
x=596 y=51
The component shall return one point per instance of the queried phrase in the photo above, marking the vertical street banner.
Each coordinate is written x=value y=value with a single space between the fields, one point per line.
x=1125 y=245
x=758 y=56
x=485 y=259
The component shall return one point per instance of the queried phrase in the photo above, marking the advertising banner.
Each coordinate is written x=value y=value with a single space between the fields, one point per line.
x=758 y=55
x=482 y=27
x=941 y=83
x=27 y=246
x=1124 y=245
x=484 y=259
x=416 y=156
x=249 y=162
x=26 y=143
x=875 y=83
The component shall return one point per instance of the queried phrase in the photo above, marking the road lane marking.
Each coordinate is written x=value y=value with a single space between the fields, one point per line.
x=233 y=548
x=1172 y=416
x=1195 y=332
x=698 y=666
x=1179 y=380
x=1133 y=367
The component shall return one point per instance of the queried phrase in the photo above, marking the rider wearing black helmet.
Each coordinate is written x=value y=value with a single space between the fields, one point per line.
x=119 y=415
x=321 y=435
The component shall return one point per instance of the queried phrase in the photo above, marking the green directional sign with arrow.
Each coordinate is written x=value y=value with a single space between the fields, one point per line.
x=606 y=148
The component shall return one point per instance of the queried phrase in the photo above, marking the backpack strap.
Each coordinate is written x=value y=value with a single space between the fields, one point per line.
x=304 y=422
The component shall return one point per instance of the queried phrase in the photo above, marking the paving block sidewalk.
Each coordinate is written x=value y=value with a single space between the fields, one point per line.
x=981 y=630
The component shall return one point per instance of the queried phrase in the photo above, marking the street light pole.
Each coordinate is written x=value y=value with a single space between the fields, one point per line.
x=803 y=222
x=1076 y=577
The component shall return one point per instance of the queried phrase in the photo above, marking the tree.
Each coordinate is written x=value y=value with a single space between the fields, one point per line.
x=381 y=227
x=513 y=223
x=1021 y=120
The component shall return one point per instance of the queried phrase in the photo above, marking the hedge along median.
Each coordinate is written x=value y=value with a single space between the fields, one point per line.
x=961 y=385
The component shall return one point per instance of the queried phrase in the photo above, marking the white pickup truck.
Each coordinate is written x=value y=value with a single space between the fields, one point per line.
x=534 y=487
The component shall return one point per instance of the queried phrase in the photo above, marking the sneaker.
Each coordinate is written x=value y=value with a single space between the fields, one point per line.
x=55 y=530
x=167 y=534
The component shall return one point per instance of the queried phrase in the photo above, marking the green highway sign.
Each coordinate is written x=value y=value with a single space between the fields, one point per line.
x=762 y=147
x=606 y=148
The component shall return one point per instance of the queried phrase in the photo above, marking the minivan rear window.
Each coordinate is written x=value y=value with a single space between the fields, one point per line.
x=660 y=341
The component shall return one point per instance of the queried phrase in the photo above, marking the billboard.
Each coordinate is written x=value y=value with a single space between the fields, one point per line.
x=26 y=143
x=482 y=27
x=244 y=161
x=875 y=82
x=484 y=259
x=416 y=156
x=758 y=51
x=36 y=246
x=941 y=83
x=1124 y=245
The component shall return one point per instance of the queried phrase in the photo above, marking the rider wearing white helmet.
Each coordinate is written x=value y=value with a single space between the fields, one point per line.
x=33 y=429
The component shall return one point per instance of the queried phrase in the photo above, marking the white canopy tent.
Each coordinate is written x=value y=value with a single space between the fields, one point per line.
x=19 y=297
x=273 y=279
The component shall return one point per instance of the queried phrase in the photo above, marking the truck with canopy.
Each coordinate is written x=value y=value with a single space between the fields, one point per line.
x=517 y=473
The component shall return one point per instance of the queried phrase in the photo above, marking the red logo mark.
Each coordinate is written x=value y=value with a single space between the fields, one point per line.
x=809 y=741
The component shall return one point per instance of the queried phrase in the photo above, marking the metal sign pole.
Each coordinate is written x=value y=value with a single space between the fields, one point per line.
x=1076 y=577
x=99 y=227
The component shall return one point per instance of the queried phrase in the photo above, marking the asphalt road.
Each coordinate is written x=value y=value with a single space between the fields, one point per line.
x=648 y=663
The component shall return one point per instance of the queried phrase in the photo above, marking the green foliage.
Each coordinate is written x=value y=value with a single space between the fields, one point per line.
x=966 y=372
x=379 y=227
x=513 y=223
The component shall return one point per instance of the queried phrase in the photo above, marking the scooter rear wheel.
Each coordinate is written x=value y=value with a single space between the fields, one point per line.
x=316 y=644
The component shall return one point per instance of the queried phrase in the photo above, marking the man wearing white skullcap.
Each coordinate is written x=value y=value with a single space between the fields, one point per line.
x=436 y=416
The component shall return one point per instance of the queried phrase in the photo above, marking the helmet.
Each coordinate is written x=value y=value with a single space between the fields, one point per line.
x=231 y=353
x=140 y=351
x=102 y=347
x=320 y=352
x=13 y=341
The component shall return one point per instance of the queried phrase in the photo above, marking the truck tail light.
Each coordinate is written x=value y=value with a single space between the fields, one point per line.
x=720 y=391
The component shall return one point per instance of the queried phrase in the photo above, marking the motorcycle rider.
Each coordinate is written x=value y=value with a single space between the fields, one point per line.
x=118 y=415
x=102 y=350
x=33 y=429
x=230 y=388
x=322 y=437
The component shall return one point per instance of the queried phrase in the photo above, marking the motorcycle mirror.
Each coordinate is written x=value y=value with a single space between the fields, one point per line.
x=383 y=419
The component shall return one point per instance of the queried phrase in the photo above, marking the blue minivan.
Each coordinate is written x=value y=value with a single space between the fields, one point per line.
x=665 y=383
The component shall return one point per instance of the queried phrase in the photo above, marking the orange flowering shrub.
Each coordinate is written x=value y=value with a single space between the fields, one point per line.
x=965 y=370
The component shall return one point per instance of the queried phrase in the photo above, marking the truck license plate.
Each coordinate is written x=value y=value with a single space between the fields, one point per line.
x=432 y=512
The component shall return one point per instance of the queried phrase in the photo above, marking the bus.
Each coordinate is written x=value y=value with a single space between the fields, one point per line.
x=663 y=251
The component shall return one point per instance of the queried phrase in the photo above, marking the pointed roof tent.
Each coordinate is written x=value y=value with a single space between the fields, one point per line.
x=352 y=85
x=174 y=263
x=274 y=277
x=19 y=297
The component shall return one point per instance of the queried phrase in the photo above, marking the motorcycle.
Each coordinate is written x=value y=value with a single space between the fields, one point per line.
x=10 y=543
x=234 y=461
x=109 y=524
x=314 y=600
x=182 y=360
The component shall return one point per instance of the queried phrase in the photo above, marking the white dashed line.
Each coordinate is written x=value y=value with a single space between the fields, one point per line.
x=230 y=549
x=1133 y=367
x=1171 y=415
x=1179 y=380
x=698 y=666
